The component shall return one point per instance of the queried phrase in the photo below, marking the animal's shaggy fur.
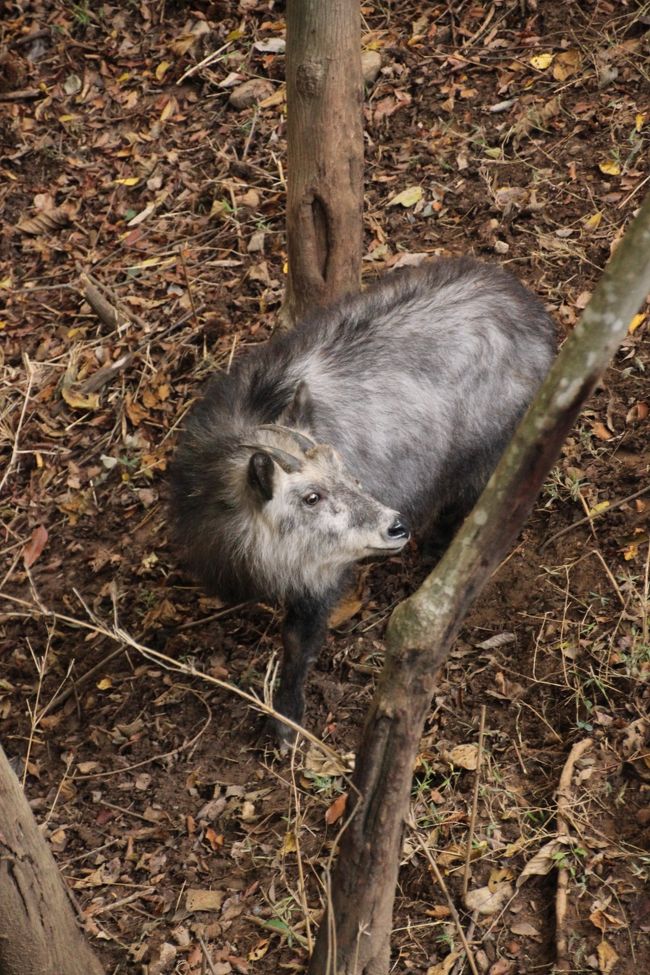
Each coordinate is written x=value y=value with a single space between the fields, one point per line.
x=417 y=384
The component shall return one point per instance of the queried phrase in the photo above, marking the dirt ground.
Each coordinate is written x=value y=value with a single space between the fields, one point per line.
x=521 y=131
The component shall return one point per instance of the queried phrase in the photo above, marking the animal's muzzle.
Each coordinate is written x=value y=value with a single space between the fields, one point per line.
x=398 y=531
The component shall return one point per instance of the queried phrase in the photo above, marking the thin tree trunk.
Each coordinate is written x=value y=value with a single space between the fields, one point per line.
x=355 y=938
x=324 y=152
x=38 y=930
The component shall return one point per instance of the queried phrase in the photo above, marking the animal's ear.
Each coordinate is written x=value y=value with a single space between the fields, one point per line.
x=260 y=475
x=299 y=412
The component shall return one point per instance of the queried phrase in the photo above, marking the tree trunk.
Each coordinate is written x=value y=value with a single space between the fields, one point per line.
x=324 y=153
x=38 y=930
x=354 y=938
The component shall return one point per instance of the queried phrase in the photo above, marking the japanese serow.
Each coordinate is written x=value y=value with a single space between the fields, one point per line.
x=380 y=416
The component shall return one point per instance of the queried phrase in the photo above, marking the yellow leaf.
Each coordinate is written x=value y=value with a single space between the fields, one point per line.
x=289 y=844
x=234 y=35
x=407 y=198
x=639 y=121
x=128 y=181
x=67 y=118
x=513 y=848
x=636 y=321
x=498 y=877
x=260 y=950
x=610 y=168
x=277 y=98
x=598 y=508
x=78 y=401
x=162 y=69
x=631 y=551
x=607 y=957
x=168 y=110
x=594 y=221
x=104 y=684
x=445 y=966
x=123 y=77
x=542 y=61
x=5 y=282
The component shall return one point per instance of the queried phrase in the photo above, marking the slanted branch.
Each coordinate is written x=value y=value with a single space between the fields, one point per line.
x=354 y=938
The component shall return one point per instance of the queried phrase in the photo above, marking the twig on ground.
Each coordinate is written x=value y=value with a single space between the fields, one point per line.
x=562 y=961
x=14 y=450
x=122 y=902
x=34 y=35
x=61 y=696
x=190 y=624
x=206 y=955
x=99 y=304
x=28 y=94
x=111 y=312
x=118 y=635
x=443 y=887
x=302 y=890
x=594 y=515
x=472 y=822
x=205 y=63
x=186 y=746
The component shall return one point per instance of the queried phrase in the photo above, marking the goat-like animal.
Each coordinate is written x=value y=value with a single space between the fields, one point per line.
x=383 y=414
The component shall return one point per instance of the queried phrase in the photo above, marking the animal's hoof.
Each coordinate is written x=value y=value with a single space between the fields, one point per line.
x=281 y=734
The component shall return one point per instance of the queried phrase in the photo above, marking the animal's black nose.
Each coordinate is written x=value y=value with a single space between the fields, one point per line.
x=398 y=530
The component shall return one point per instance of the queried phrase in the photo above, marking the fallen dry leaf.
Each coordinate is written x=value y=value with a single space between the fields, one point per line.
x=336 y=809
x=542 y=61
x=407 y=198
x=487 y=901
x=610 y=167
x=465 y=756
x=203 y=900
x=35 y=545
x=542 y=863
x=602 y=920
x=607 y=957
x=78 y=400
x=445 y=966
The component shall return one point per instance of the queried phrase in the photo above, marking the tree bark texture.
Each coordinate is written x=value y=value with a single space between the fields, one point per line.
x=354 y=938
x=324 y=153
x=38 y=930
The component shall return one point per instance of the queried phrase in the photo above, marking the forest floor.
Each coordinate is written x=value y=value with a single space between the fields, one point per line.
x=520 y=133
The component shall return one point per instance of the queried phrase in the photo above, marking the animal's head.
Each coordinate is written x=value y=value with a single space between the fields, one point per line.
x=307 y=517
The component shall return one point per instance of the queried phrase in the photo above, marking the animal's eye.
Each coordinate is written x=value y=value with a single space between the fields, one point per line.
x=311 y=499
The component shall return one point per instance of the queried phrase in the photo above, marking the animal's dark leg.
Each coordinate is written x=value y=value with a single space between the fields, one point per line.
x=303 y=635
x=436 y=542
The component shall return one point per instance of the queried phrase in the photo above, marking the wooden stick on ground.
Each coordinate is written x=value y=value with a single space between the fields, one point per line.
x=562 y=963
x=472 y=822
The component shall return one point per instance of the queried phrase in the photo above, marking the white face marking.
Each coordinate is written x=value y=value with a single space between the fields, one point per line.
x=298 y=546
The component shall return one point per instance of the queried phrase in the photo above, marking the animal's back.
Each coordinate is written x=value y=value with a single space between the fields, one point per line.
x=418 y=382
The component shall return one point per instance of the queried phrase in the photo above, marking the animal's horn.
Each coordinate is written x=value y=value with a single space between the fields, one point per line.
x=288 y=463
x=304 y=442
